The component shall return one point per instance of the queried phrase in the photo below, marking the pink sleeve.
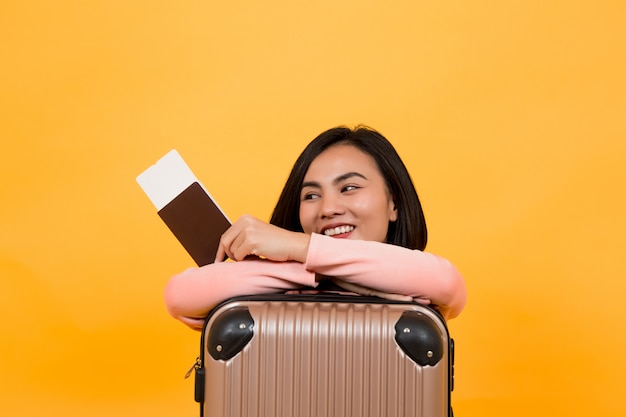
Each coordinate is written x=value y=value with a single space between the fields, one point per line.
x=190 y=295
x=391 y=269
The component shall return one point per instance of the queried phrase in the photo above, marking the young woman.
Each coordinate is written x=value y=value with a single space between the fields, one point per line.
x=348 y=214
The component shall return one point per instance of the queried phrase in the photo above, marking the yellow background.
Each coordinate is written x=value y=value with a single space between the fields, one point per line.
x=509 y=114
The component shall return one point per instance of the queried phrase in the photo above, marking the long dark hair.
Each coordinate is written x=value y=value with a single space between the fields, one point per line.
x=409 y=230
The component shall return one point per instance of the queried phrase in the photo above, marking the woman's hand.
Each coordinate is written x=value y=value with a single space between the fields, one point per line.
x=250 y=236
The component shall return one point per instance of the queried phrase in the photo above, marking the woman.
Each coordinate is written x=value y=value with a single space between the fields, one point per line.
x=348 y=213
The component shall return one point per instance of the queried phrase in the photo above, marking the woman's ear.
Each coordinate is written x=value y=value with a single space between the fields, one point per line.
x=393 y=212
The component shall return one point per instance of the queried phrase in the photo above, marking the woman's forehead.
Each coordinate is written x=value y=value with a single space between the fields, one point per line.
x=339 y=159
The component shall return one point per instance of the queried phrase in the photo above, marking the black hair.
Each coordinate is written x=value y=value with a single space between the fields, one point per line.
x=409 y=230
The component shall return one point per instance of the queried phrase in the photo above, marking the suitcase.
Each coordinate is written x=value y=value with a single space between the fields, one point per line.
x=324 y=355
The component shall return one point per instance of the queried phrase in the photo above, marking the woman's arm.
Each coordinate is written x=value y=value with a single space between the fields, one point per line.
x=192 y=294
x=384 y=268
x=390 y=269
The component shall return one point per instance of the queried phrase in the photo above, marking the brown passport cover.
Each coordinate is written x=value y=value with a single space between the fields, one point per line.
x=196 y=222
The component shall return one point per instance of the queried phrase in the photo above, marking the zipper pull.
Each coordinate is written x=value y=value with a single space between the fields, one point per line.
x=197 y=365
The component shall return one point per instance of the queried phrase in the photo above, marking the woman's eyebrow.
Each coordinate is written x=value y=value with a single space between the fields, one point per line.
x=347 y=176
x=310 y=184
x=336 y=181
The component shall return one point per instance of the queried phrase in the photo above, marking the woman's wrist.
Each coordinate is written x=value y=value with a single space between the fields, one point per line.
x=300 y=247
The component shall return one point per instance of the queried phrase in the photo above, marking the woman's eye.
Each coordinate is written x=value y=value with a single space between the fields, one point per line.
x=349 y=188
x=309 y=196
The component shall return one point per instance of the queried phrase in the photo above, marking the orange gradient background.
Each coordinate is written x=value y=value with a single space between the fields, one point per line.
x=509 y=115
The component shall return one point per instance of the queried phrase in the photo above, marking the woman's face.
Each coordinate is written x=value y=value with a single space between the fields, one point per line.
x=344 y=195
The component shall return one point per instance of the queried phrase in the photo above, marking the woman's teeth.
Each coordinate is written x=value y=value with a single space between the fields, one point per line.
x=338 y=230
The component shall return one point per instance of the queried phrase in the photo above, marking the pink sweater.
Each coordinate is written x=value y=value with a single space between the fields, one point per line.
x=429 y=279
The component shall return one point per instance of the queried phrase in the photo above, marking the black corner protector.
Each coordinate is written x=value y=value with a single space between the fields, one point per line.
x=230 y=332
x=420 y=338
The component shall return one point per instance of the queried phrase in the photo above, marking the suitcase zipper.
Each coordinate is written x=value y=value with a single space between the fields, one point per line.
x=197 y=365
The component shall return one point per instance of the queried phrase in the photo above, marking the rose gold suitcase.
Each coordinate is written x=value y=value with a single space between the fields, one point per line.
x=324 y=356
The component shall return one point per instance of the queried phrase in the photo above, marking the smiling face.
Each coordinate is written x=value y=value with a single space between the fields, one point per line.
x=344 y=195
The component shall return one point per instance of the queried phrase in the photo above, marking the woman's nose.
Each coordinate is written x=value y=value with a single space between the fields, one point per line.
x=331 y=206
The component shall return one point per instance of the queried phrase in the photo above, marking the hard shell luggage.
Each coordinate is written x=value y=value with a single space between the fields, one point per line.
x=324 y=355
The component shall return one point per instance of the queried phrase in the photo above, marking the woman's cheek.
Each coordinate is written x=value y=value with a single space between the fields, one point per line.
x=305 y=221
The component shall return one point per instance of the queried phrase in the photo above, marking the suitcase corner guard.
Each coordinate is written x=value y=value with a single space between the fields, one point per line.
x=420 y=338
x=230 y=333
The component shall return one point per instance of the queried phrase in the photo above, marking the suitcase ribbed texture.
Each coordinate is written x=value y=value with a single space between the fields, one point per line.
x=325 y=359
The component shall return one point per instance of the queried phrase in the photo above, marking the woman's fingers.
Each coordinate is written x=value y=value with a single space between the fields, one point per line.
x=249 y=236
x=241 y=247
x=221 y=255
x=236 y=242
x=225 y=247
